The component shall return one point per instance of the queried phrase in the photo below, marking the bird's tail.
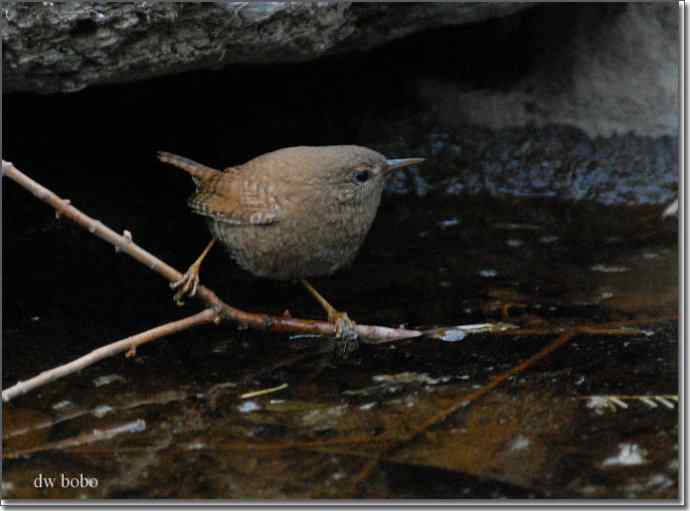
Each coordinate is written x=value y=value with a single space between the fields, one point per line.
x=198 y=171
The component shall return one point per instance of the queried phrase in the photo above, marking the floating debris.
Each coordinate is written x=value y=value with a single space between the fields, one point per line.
x=488 y=273
x=283 y=406
x=248 y=407
x=196 y=445
x=671 y=210
x=628 y=454
x=660 y=481
x=519 y=442
x=221 y=347
x=102 y=411
x=448 y=222
x=459 y=332
x=263 y=392
x=96 y=435
x=517 y=227
x=136 y=426
x=603 y=268
x=408 y=377
x=452 y=335
x=546 y=240
x=108 y=379
x=61 y=405
x=613 y=402
x=324 y=419
x=389 y=384
x=664 y=401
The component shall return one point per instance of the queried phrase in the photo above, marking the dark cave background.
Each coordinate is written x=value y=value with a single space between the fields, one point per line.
x=97 y=147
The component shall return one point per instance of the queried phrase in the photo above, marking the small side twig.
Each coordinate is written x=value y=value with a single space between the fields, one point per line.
x=127 y=344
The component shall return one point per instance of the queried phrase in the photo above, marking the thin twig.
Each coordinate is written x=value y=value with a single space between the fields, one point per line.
x=130 y=343
x=248 y=319
x=263 y=392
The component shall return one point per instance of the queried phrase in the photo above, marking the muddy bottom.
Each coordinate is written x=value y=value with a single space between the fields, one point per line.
x=598 y=418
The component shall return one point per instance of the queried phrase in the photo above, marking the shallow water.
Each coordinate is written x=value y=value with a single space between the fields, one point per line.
x=486 y=231
x=428 y=262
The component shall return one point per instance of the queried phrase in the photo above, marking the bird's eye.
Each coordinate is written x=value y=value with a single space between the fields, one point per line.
x=361 y=176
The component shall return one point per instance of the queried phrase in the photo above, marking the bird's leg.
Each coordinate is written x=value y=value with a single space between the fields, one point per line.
x=345 y=330
x=189 y=282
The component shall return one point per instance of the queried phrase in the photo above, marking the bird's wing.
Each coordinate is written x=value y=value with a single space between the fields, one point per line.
x=227 y=198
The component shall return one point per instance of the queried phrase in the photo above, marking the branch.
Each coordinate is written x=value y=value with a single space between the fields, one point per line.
x=124 y=243
x=128 y=344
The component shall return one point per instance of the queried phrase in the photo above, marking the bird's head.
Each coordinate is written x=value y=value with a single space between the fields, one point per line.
x=346 y=173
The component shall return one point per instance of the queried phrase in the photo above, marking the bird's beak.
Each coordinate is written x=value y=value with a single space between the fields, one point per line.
x=392 y=165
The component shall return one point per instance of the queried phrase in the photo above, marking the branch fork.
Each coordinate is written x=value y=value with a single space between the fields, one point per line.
x=216 y=311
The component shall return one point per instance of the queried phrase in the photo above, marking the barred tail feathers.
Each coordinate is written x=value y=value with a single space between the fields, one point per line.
x=196 y=170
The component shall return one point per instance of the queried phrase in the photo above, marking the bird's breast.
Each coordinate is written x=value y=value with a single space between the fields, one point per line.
x=311 y=238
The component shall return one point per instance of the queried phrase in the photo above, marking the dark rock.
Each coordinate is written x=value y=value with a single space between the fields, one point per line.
x=550 y=162
x=64 y=47
x=605 y=68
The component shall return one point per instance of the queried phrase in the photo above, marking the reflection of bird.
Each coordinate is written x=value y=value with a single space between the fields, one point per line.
x=290 y=214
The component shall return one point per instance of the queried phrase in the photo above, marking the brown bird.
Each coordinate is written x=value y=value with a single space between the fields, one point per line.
x=290 y=214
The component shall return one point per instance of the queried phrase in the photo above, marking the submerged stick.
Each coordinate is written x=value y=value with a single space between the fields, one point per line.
x=83 y=439
x=128 y=344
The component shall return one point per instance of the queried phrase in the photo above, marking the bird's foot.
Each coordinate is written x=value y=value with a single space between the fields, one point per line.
x=187 y=285
x=189 y=282
x=346 y=336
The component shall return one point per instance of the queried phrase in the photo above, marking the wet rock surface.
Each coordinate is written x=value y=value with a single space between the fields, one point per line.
x=552 y=162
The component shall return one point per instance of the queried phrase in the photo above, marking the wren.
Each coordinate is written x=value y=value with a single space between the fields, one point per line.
x=291 y=214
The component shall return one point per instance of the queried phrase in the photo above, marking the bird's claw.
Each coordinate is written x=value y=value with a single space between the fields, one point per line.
x=347 y=338
x=186 y=286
